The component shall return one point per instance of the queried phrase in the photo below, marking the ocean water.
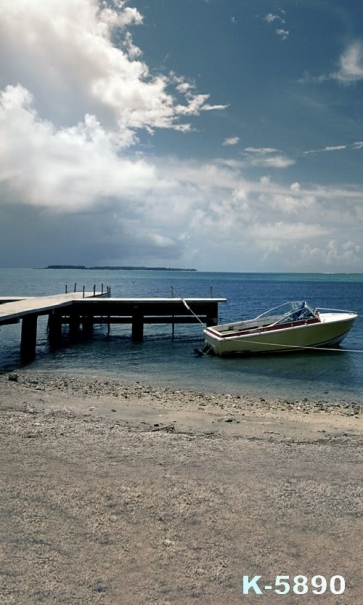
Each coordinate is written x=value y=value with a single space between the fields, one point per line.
x=324 y=375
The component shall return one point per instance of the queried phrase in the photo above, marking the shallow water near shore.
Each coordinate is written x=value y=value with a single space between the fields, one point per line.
x=328 y=376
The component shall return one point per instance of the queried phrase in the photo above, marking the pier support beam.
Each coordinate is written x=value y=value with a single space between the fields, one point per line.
x=137 y=326
x=28 y=337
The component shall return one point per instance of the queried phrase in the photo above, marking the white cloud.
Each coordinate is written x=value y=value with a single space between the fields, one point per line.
x=291 y=204
x=122 y=18
x=47 y=49
x=335 y=148
x=267 y=157
x=271 y=17
x=331 y=254
x=277 y=161
x=207 y=107
x=168 y=207
x=276 y=235
x=133 y=51
x=64 y=168
x=295 y=187
x=231 y=141
x=80 y=169
x=351 y=65
x=261 y=150
x=71 y=110
x=283 y=33
x=357 y=145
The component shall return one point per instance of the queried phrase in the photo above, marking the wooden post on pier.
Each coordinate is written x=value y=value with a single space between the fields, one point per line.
x=137 y=326
x=74 y=322
x=87 y=324
x=212 y=315
x=28 y=337
x=211 y=321
x=54 y=327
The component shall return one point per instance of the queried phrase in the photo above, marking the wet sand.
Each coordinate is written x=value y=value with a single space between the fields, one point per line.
x=117 y=493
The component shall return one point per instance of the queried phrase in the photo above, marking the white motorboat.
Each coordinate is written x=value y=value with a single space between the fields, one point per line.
x=288 y=327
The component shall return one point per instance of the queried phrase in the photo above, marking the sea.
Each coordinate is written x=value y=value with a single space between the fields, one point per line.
x=171 y=362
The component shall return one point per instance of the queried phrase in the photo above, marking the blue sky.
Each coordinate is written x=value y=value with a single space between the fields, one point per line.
x=215 y=134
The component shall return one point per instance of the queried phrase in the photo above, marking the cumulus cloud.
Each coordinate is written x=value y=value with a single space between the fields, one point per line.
x=74 y=62
x=350 y=65
x=331 y=253
x=76 y=96
x=66 y=127
x=64 y=168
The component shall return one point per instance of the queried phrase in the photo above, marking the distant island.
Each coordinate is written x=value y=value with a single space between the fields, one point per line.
x=112 y=268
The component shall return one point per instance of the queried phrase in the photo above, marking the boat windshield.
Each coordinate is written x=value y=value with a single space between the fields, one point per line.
x=287 y=312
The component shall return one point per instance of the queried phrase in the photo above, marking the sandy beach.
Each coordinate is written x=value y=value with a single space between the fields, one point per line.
x=126 y=494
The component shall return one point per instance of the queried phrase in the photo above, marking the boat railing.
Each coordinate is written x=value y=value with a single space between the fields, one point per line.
x=317 y=310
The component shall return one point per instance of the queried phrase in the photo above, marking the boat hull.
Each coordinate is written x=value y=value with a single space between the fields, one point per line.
x=328 y=332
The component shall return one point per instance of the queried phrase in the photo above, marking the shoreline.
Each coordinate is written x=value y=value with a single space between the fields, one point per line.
x=118 y=492
x=135 y=402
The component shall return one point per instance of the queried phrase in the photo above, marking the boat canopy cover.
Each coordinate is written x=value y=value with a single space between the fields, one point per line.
x=290 y=311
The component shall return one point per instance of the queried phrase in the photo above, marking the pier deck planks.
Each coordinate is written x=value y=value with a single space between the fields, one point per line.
x=38 y=305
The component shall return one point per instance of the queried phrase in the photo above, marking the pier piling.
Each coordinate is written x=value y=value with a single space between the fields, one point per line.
x=28 y=337
x=74 y=324
x=137 y=329
x=54 y=327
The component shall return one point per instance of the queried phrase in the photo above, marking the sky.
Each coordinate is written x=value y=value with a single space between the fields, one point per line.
x=220 y=135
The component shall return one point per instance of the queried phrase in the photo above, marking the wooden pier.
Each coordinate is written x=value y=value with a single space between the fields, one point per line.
x=83 y=310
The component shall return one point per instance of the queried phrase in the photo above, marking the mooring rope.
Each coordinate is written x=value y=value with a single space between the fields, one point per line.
x=192 y=312
x=334 y=350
